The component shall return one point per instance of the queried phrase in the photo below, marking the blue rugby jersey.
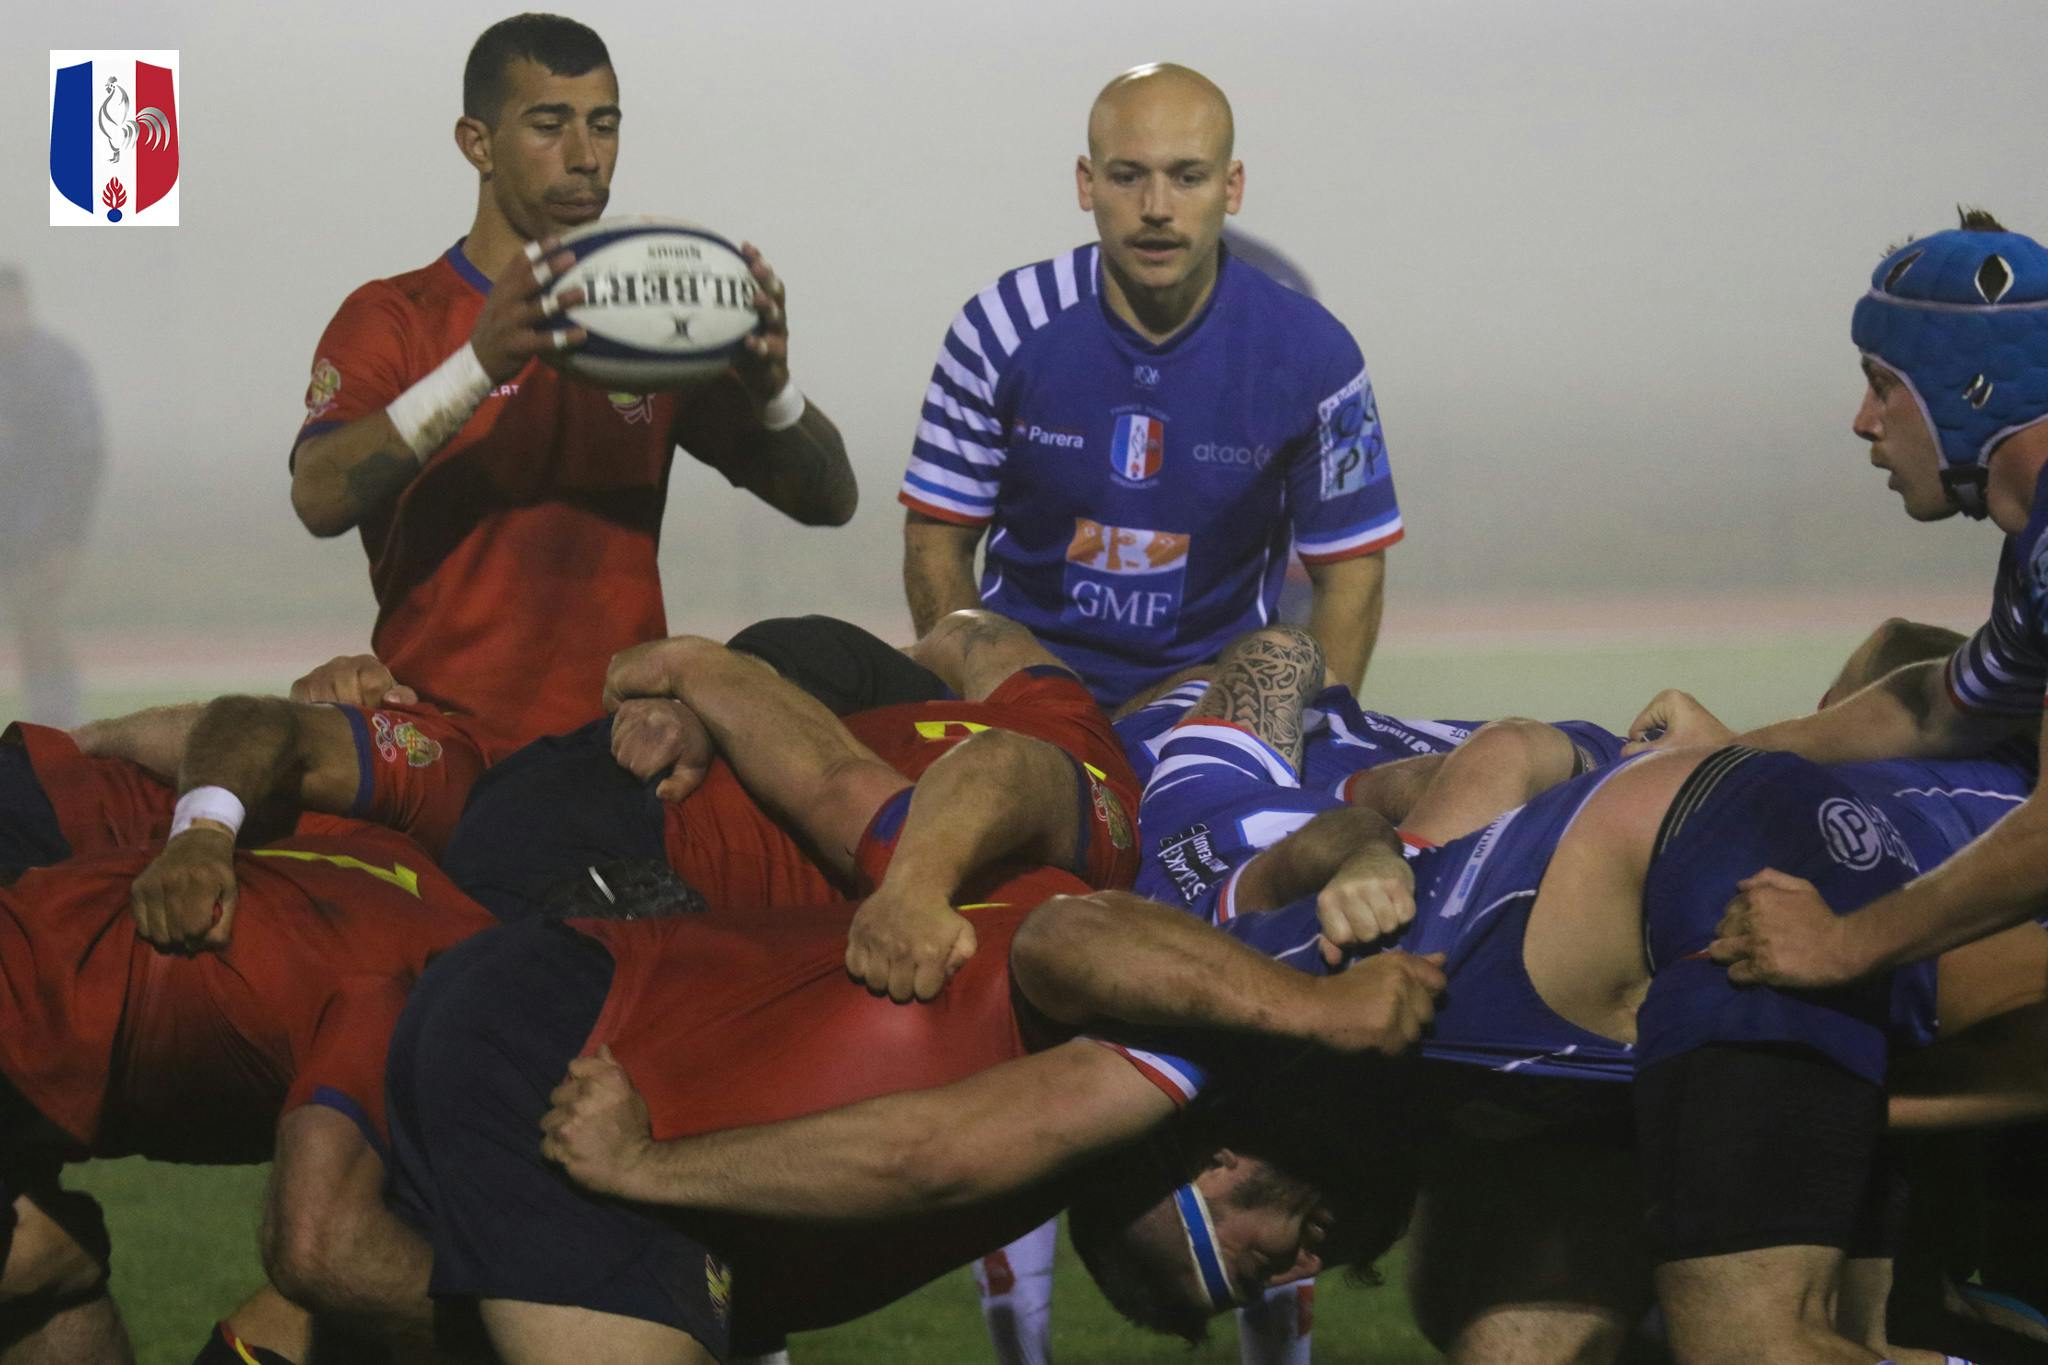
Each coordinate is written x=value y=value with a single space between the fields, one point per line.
x=2003 y=668
x=1142 y=498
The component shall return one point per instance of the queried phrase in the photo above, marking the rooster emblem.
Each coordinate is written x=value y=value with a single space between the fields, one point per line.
x=120 y=130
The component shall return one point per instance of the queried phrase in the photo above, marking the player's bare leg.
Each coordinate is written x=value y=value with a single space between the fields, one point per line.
x=1263 y=682
x=1506 y=1269
x=1776 y=1304
x=330 y=1245
x=555 y=1334
x=269 y=1321
x=87 y=1333
x=54 y=1305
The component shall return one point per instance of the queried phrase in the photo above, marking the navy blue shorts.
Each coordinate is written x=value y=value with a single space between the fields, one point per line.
x=541 y=818
x=487 y=1034
x=1739 y=812
x=29 y=833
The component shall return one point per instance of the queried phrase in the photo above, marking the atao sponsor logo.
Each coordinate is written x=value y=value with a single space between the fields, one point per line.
x=1246 y=457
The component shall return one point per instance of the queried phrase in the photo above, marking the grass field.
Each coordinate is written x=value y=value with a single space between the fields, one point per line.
x=185 y=1238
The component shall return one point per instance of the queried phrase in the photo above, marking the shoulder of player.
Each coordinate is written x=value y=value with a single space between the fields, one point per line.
x=428 y=289
x=1295 y=315
x=1012 y=313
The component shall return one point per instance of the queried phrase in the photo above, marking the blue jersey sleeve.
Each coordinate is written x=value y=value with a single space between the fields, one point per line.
x=956 y=461
x=1340 y=489
x=2002 y=670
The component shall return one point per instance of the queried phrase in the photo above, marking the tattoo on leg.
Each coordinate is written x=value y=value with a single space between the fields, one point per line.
x=1263 y=682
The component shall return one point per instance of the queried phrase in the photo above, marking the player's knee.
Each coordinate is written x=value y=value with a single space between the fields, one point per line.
x=56 y=1249
x=1289 y=643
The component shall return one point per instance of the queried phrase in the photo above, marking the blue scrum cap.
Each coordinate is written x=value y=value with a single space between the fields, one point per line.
x=1962 y=318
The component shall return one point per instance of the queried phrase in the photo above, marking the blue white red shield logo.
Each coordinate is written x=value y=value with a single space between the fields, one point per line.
x=1138 y=448
x=113 y=138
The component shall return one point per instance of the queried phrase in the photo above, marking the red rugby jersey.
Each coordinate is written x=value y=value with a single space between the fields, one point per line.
x=132 y=1051
x=730 y=1019
x=728 y=848
x=522 y=557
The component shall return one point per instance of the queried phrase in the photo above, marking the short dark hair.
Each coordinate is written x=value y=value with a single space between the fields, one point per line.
x=1974 y=219
x=563 y=46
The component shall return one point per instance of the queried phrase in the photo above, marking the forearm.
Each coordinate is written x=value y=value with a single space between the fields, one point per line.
x=1167 y=970
x=1303 y=863
x=995 y=797
x=1392 y=789
x=916 y=1152
x=1997 y=881
x=153 y=739
x=938 y=569
x=246 y=745
x=1345 y=613
x=1905 y=714
x=347 y=474
x=801 y=470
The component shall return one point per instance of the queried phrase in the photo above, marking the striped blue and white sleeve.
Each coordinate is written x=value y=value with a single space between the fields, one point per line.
x=956 y=462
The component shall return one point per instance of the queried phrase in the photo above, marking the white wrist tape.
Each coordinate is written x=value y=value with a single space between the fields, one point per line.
x=434 y=409
x=785 y=409
x=207 y=803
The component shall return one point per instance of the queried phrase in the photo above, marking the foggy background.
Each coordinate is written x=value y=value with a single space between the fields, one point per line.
x=1600 y=258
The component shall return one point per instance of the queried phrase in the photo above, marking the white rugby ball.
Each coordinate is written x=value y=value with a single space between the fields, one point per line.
x=666 y=303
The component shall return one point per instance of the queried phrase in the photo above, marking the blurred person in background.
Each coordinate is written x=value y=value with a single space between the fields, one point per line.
x=511 y=514
x=51 y=455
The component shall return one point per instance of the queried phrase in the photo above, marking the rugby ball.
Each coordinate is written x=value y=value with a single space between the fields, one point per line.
x=666 y=303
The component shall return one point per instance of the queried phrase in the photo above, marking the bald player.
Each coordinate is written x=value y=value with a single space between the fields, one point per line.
x=1145 y=424
x=1143 y=427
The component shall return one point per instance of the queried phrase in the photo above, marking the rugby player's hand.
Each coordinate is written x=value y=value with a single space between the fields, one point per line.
x=763 y=363
x=907 y=944
x=1380 y=1004
x=353 y=680
x=185 y=900
x=597 y=1129
x=1675 y=720
x=517 y=324
x=1371 y=895
x=1779 y=932
x=654 y=737
x=645 y=670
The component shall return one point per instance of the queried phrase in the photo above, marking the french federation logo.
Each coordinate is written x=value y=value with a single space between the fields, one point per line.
x=1138 y=448
x=113 y=138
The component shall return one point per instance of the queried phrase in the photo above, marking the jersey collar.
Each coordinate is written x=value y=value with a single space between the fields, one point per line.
x=1130 y=335
x=474 y=278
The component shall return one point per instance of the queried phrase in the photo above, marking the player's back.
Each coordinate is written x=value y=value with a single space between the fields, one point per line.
x=189 y=1057
x=729 y=1020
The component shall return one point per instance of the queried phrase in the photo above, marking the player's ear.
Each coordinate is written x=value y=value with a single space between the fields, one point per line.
x=473 y=140
x=1084 y=183
x=1233 y=187
x=1307 y=1265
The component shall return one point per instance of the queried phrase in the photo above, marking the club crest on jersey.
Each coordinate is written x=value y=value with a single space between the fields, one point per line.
x=1859 y=836
x=635 y=408
x=113 y=138
x=718 y=1286
x=1110 y=812
x=324 y=388
x=1137 y=449
x=403 y=737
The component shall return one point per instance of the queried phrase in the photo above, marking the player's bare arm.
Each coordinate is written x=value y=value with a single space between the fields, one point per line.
x=915 y=1152
x=1344 y=615
x=254 y=750
x=938 y=568
x=785 y=451
x=1908 y=713
x=974 y=651
x=1350 y=860
x=1392 y=789
x=152 y=739
x=341 y=476
x=1113 y=958
x=1505 y=764
x=792 y=755
x=1263 y=683
x=995 y=797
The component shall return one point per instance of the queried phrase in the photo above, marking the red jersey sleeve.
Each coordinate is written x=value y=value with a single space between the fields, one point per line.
x=359 y=365
x=415 y=768
x=342 y=1062
x=101 y=804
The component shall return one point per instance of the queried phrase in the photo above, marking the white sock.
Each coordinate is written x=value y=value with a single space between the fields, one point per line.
x=772 y=1358
x=1016 y=1297
x=1275 y=1330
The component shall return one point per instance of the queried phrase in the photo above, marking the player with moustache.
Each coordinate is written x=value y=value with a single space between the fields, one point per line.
x=1954 y=340
x=1143 y=425
x=509 y=512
